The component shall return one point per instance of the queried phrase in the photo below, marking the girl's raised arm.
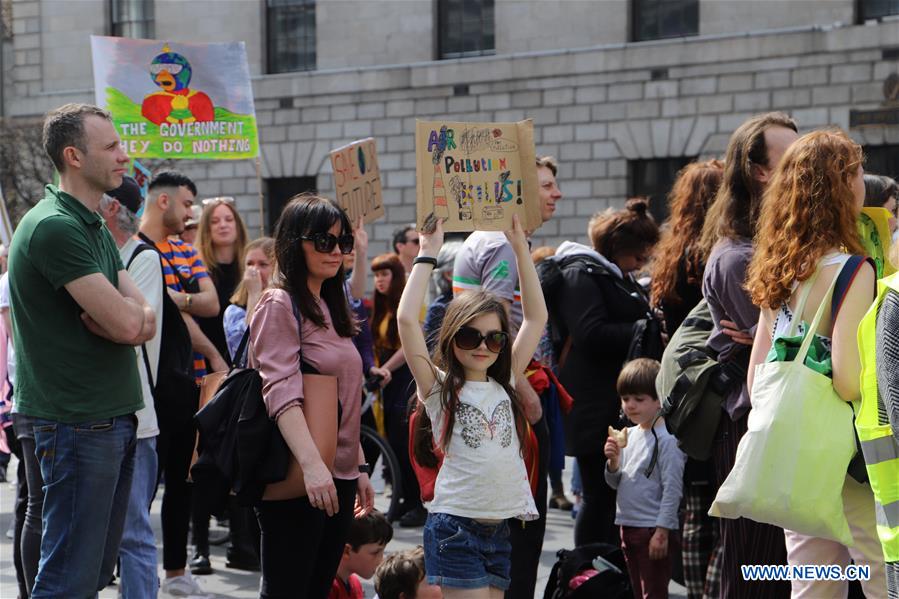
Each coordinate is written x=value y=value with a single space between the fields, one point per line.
x=412 y=337
x=533 y=306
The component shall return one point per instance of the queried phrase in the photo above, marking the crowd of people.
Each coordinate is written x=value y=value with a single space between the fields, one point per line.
x=491 y=360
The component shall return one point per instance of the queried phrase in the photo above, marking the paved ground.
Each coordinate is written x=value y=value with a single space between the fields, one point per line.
x=244 y=585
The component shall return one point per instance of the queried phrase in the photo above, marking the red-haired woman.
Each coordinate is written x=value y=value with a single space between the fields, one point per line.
x=390 y=279
x=677 y=263
x=676 y=289
x=806 y=225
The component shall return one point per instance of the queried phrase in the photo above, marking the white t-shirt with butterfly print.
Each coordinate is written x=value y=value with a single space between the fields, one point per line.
x=483 y=474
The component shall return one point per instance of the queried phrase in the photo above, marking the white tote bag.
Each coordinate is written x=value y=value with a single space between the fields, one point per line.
x=791 y=463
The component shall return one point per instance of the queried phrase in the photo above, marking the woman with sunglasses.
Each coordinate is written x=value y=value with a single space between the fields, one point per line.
x=467 y=396
x=390 y=279
x=303 y=538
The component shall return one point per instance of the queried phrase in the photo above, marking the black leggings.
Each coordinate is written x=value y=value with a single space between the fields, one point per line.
x=175 y=449
x=396 y=396
x=527 y=537
x=596 y=517
x=302 y=546
x=32 y=526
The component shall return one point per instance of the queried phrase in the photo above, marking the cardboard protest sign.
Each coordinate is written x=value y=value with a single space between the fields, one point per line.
x=357 y=180
x=477 y=175
x=174 y=100
x=874 y=232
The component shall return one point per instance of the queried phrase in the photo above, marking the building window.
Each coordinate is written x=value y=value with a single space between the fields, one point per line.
x=882 y=160
x=279 y=191
x=653 y=179
x=875 y=9
x=659 y=19
x=291 y=35
x=132 y=18
x=465 y=28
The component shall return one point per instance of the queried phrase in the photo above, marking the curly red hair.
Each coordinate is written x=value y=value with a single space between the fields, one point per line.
x=808 y=210
x=692 y=194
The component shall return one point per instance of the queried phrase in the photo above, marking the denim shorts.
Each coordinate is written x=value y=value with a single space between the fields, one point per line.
x=466 y=554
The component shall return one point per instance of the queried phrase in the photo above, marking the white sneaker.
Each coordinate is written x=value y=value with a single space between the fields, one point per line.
x=183 y=586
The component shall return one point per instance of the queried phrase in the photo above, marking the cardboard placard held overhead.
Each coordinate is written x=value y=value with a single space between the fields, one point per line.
x=357 y=180
x=477 y=175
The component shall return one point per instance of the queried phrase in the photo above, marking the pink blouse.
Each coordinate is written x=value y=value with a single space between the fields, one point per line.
x=275 y=344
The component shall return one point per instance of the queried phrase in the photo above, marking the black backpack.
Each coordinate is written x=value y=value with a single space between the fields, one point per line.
x=549 y=272
x=176 y=395
x=610 y=582
x=647 y=339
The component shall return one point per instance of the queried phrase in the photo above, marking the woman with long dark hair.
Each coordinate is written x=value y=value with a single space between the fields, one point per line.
x=303 y=538
x=753 y=153
x=390 y=280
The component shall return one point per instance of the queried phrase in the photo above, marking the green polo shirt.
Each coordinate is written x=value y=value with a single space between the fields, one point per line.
x=64 y=372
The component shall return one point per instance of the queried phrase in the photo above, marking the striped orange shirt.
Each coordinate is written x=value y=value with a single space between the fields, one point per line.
x=182 y=265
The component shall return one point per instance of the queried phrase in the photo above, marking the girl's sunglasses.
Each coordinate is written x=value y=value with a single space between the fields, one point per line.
x=325 y=242
x=470 y=338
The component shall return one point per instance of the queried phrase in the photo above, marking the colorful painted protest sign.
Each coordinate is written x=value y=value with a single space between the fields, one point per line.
x=177 y=100
x=357 y=180
x=475 y=176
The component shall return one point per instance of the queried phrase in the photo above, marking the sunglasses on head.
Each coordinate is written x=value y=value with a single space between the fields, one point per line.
x=325 y=242
x=218 y=200
x=471 y=338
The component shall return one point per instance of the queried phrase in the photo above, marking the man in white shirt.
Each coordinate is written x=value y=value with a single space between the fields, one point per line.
x=121 y=209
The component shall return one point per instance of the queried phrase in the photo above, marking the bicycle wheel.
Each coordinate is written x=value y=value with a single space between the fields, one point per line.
x=386 y=477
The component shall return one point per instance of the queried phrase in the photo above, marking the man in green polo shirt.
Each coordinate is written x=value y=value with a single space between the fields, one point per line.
x=76 y=316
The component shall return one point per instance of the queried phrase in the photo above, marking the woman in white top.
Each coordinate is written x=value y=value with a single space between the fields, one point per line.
x=469 y=396
x=806 y=223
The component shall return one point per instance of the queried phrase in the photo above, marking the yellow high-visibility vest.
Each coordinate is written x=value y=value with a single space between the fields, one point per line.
x=879 y=446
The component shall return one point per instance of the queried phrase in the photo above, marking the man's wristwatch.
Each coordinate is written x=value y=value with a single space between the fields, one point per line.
x=365 y=469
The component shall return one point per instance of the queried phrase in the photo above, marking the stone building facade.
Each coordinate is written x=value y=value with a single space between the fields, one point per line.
x=613 y=112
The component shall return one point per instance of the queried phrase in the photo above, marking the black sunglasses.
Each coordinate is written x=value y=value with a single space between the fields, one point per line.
x=470 y=338
x=325 y=242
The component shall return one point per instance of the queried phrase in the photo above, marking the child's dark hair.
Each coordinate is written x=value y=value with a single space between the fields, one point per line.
x=371 y=528
x=400 y=573
x=460 y=312
x=638 y=377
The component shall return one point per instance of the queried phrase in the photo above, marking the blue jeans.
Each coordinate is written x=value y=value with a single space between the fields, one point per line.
x=87 y=470
x=138 y=549
x=463 y=553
